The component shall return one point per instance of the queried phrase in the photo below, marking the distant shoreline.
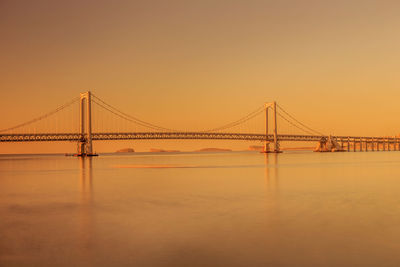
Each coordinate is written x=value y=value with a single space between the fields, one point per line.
x=154 y=152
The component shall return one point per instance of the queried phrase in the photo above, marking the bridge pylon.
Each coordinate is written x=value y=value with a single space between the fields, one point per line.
x=85 y=147
x=275 y=141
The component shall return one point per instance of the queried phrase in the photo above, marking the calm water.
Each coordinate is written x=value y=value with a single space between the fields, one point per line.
x=201 y=209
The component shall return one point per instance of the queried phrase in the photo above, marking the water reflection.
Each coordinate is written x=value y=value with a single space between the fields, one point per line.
x=271 y=171
x=86 y=182
x=306 y=209
x=86 y=218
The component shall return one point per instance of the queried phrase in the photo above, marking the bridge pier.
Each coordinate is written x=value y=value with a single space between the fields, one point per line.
x=85 y=147
x=366 y=145
x=266 y=147
x=329 y=144
x=275 y=142
x=348 y=144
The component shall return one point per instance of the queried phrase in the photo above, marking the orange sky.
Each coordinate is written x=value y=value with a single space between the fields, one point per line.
x=182 y=64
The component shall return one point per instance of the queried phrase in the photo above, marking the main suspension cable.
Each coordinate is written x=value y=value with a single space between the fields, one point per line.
x=124 y=117
x=43 y=116
x=299 y=122
x=239 y=121
x=291 y=123
x=132 y=119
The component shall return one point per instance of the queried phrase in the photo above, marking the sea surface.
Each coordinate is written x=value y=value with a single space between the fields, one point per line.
x=201 y=209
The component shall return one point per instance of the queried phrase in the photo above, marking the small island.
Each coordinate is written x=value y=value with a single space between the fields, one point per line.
x=162 y=150
x=256 y=148
x=212 y=149
x=261 y=148
x=126 y=150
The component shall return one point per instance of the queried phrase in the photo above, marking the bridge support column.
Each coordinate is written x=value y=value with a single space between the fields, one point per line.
x=348 y=144
x=266 y=142
x=361 y=148
x=372 y=144
x=275 y=129
x=276 y=142
x=266 y=147
x=85 y=147
x=366 y=145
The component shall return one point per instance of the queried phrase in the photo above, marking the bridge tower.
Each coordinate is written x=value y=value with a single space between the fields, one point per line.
x=272 y=106
x=85 y=147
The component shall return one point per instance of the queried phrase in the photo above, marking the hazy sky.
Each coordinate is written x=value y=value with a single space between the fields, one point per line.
x=203 y=63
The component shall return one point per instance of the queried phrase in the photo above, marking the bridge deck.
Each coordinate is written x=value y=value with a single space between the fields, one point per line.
x=183 y=135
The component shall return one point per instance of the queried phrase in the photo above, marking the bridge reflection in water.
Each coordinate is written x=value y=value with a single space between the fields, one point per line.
x=86 y=227
x=271 y=171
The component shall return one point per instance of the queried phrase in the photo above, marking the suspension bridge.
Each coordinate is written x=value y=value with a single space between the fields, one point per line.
x=88 y=118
